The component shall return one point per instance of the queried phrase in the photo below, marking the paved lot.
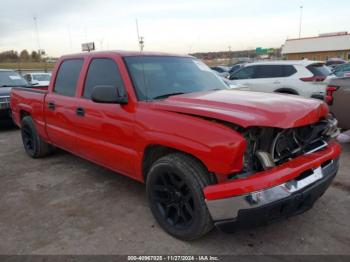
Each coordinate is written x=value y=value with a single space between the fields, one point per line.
x=65 y=205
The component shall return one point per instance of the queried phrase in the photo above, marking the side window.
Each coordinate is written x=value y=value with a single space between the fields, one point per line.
x=67 y=77
x=346 y=68
x=289 y=70
x=245 y=73
x=102 y=71
x=269 y=71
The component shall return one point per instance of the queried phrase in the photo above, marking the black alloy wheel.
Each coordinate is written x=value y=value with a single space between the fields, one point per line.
x=173 y=199
x=33 y=144
x=28 y=139
x=175 y=186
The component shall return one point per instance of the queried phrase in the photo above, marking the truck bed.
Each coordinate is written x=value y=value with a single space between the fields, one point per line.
x=28 y=100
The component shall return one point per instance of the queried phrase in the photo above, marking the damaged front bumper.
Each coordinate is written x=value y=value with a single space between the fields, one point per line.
x=283 y=191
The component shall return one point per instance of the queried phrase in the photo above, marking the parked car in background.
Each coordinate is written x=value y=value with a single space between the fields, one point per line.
x=8 y=80
x=206 y=154
x=333 y=62
x=38 y=79
x=306 y=78
x=341 y=70
x=221 y=70
x=338 y=99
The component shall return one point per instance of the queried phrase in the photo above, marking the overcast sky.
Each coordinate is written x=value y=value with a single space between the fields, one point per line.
x=179 y=26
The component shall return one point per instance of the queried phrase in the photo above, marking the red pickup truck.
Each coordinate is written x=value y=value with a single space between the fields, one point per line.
x=208 y=155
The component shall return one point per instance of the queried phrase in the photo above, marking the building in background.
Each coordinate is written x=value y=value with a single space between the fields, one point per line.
x=322 y=47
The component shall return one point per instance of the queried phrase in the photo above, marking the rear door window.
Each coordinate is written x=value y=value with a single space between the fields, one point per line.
x=269 y=71
x=67 y=77
x=289 y=70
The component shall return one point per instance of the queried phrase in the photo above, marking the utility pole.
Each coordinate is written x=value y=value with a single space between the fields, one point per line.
x=140 y=39
x=301 y=20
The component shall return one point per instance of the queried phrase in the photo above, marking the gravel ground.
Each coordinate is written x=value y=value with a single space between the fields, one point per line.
x=65 y=205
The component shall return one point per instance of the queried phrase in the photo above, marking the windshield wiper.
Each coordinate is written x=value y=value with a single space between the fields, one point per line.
x=167 y=95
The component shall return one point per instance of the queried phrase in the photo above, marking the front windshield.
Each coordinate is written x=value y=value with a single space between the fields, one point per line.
x=11 y=79
x=42 y=77
x=158 y=76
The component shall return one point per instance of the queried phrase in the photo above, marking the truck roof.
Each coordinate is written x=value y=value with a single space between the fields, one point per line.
x=122 y=53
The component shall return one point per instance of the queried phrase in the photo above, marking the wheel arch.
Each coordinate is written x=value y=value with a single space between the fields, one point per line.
x=23 y=113
x=286 y=90
x=153 y=152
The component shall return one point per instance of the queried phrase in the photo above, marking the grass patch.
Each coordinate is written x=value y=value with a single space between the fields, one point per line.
x=27 y=66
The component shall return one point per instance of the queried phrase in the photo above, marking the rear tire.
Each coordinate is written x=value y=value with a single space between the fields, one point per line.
x=175 y=190
x=34 y=146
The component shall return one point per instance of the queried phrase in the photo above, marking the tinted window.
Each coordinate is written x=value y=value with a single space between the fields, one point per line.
x=289 y=70
x=155 y=77
x=245 y=73
x=102 y=72
x=269 y=71
x=319 y=70
x=67 y=77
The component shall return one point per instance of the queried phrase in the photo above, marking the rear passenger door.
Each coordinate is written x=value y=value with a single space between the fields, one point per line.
x=60 y=105
x=105 y=130
x=268 y=78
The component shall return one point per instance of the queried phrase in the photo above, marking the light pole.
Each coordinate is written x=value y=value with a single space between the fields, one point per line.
x=140 y=39
x=301 y=20
x=37 y=32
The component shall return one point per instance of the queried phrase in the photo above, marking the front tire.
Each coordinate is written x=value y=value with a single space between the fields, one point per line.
x=34 y=146
x=175 y=190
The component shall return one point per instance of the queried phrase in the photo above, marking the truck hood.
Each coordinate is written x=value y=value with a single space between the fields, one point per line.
x=5 y=91
x=246 y=109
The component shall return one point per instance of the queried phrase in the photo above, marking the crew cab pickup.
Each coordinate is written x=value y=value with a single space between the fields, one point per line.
x=207 y=155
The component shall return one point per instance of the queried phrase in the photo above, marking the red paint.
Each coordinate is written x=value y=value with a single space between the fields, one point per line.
x=116 y=136
x=273 y=177
x=329 y=96
x=248 y=108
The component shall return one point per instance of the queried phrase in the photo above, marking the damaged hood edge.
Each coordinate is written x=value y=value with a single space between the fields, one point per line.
x=247 y=109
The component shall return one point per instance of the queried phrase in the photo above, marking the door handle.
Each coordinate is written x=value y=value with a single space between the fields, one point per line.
x=277 y=82
x=51 y=105
x=80 y=111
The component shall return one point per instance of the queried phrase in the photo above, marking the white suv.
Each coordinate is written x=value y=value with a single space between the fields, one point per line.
x=306 y=78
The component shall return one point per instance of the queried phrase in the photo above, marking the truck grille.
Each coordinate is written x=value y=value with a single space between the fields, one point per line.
x=4 y=99
x=269 y=147
x=4 y=102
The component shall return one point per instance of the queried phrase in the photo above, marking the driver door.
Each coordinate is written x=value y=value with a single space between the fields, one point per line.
x=105 y=130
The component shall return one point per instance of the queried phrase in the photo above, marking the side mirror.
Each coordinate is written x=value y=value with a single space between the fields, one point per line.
x=108 y=95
